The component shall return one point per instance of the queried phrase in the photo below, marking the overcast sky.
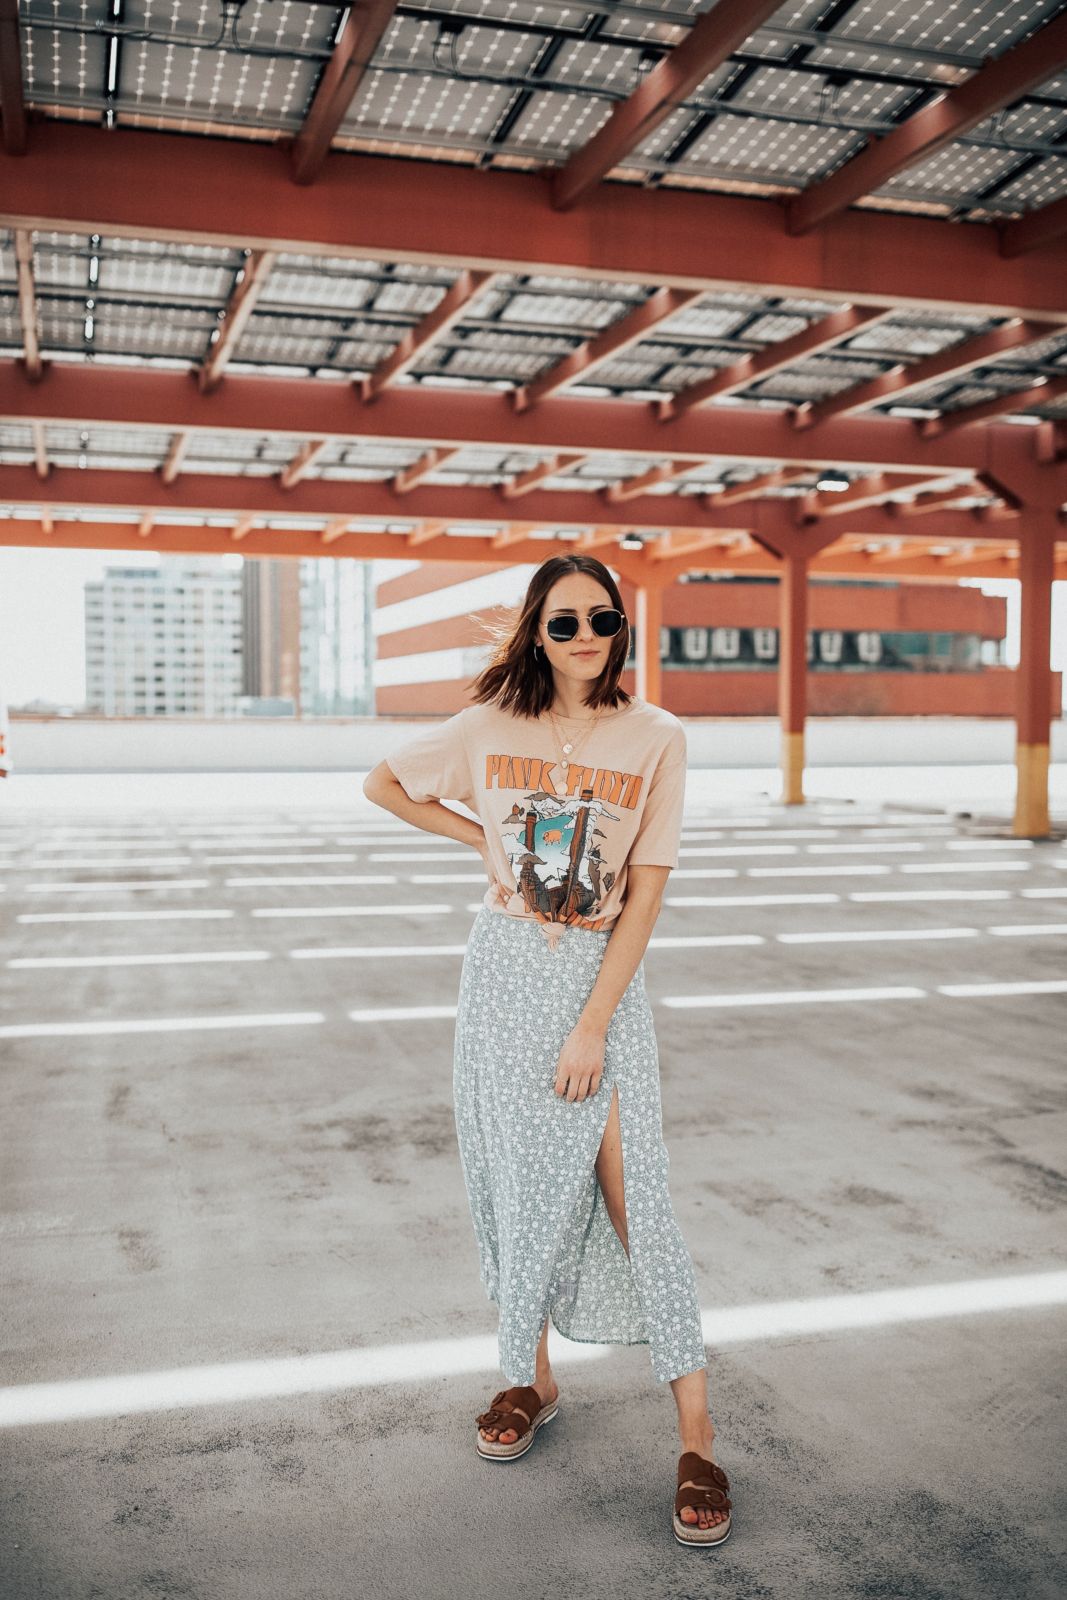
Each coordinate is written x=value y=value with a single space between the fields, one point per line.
x=42 y=620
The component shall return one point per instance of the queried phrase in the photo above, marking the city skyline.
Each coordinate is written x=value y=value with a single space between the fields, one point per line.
x=42 y=623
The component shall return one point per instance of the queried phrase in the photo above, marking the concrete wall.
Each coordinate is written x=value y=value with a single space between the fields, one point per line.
x=264 y=744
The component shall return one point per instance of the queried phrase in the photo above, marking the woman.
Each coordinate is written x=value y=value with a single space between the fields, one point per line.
x=579 y=788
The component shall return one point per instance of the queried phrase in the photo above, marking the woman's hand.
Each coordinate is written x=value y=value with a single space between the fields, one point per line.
x=581 y=1063
x=503 y=890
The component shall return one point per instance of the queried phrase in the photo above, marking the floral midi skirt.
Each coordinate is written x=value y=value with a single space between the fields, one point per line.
x=546 y=1243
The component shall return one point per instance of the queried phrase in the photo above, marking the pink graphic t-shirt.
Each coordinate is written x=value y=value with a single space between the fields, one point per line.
x=560 y=841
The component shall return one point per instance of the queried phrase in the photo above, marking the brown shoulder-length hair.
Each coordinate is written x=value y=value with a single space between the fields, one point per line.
x=518 y=678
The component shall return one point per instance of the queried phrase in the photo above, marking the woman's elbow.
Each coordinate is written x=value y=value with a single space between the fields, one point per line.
x=379 y=781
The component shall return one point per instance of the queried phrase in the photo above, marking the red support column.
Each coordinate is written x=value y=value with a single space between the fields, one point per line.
x=648 y=617
x=1033 y=712
x=792 y=671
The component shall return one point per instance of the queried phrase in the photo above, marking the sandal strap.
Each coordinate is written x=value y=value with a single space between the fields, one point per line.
x=706 y=1483
x=512 y=1408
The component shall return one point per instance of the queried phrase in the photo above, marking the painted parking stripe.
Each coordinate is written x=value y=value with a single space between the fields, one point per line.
x=403 y=1013
x=117 y=888
x=122 y=916
x=140 y=960
x=352 y=911
x=784 y=997
x=252 y=1019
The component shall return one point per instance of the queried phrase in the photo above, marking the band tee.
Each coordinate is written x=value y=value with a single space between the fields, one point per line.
x=560 y=842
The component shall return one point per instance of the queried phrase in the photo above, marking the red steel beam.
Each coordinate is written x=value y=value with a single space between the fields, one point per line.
x=235 y=318
x=429 y=420
x=950 y=363
x=230 y=192
x=1002 y=405
x=706 y=46
x=628 y=331
x=821 y=335
x=946 y=119
x=367 y=21
x=12 y=101
x=446 y=313
x=298 y=409
x=738 y=555
x=31 y=349
x=1036 y=228
x=241 y=498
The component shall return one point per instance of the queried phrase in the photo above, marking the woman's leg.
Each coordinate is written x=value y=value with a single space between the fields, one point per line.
x=544 y=1382
x=695 y=1428
x=696 y=1432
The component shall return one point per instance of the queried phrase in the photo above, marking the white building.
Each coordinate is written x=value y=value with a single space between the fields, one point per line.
x=164 y=641
x=336 y=639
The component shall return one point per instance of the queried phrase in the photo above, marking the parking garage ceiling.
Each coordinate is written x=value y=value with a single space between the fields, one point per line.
x=910 y=159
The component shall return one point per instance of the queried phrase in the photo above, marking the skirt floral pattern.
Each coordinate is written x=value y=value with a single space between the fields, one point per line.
x=546 y=1243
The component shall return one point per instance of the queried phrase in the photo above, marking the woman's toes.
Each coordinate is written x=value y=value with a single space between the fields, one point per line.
x=688 y=1514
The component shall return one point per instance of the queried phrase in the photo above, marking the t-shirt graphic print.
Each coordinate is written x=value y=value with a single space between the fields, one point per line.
x=560 y=839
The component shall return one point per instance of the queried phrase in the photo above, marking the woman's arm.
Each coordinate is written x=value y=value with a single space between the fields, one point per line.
x=581 y=1061
x=384 y=789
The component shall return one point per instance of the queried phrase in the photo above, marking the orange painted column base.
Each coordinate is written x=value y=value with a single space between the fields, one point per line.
x=792 y=769
x=1031 y=791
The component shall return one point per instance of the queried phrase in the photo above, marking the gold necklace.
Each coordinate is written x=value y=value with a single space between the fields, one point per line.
x=567 y=746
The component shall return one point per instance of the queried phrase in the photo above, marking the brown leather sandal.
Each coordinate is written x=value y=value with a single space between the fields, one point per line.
x=708 y=1489
x=519 y=1408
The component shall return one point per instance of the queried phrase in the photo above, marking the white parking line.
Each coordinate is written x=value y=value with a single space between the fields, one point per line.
x=966 y=866
x=872 y=895
x=750 y=899
x=177 y=959
x=271 y=859
x=392 y=952
x=352 y=911
x=782 y=997
x=403 y=1013
x=871 y=871
x=111 y=863
x=120 y=916
x=970 y=991
x=117 y=888
x=252 y=1019
x=347 y=878
x=873 y=935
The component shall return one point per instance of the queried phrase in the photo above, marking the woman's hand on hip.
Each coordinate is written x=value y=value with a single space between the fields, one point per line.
x=581 y=1063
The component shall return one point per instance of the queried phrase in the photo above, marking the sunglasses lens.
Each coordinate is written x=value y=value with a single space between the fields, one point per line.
x=605 y=624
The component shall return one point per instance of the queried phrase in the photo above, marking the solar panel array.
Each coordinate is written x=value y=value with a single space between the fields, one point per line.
x=521 y=85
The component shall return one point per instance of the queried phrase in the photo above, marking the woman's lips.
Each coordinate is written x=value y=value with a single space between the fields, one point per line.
x=584 y=652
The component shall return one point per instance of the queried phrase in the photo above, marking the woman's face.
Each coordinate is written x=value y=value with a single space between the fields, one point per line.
x=584 y=657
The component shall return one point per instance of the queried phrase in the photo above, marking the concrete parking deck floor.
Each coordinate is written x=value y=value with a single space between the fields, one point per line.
x=244 y=1333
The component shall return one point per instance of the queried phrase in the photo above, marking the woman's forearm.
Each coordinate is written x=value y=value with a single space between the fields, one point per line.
x=431 y=815
x=629 y=939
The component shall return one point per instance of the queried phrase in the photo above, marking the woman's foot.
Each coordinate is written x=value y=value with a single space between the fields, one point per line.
x=700 y=1516
x=548 y=1391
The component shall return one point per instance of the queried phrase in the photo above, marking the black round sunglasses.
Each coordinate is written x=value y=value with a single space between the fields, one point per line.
x=605 y=623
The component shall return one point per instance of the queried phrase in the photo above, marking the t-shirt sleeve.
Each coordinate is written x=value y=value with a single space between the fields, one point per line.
x=660 y=829
x=435 y=765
